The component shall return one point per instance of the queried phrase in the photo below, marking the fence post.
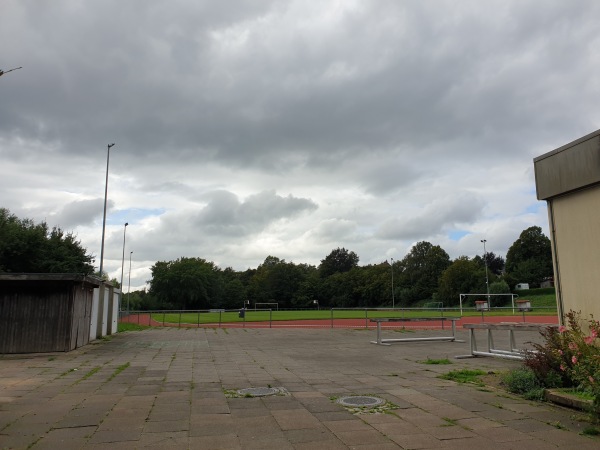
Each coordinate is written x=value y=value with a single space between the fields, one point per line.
x=179 y=326
x=198 y=318
x=164 y=316
x=219 y=318
x=366 y=318
x=270 y=318
x=331 y=317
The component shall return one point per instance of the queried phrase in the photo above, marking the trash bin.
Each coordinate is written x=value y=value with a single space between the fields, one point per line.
x=242 y=313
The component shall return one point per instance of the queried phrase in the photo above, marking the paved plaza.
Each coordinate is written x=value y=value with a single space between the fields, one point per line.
x=178 y=388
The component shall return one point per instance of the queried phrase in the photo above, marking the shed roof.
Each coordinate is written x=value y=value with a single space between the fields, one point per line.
x=72 y=277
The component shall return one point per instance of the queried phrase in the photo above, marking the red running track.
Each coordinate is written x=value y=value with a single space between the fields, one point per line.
x=145 y=319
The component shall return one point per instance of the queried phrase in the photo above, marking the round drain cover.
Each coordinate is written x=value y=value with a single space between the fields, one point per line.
x=361 y=400
x=258 y=391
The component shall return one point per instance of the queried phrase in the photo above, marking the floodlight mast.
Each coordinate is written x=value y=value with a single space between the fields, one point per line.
x=487 y=283
x=2 y=72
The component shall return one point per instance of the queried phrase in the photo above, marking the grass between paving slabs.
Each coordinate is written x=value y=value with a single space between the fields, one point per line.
x=472 y=376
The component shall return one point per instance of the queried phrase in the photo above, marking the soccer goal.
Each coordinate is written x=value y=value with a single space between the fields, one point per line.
x=485 y=296
x=434 y=305
x=269 y=305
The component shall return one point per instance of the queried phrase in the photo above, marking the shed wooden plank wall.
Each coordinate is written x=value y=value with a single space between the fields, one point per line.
x=46 y=316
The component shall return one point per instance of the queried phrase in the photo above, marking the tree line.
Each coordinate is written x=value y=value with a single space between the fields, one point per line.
x=425 y=275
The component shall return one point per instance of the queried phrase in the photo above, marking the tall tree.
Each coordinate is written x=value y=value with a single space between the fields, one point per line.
x=29 y=247
x=421 y=270
x=186 y=283
x=339 y=260
x=495 y=264
x=463 y=276
x=529 y=258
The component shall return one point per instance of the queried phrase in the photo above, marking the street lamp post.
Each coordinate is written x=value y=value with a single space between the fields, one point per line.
x=104 y=217
x=2 y=72
x=129 y=286
x=123 y=259
x=487 y=283
x=393 y=300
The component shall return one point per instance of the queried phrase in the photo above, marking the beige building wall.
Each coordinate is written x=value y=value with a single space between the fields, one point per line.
x=568 y=178
x=575 y=235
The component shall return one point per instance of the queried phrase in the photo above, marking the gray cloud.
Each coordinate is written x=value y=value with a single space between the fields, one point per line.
x=81 y=212
x=402 y=121
x=432 y=219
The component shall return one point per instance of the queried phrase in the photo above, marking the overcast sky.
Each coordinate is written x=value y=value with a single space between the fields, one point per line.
x=245 y=128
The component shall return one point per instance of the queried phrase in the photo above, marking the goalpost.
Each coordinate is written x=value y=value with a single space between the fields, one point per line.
x=276 y=304
x=512 y=296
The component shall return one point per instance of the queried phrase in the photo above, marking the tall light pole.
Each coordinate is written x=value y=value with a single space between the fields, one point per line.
x=2 y=72
x=129 y=287
x=104 y=217
x=123 y=259
x=487 y=283
x=393 y=300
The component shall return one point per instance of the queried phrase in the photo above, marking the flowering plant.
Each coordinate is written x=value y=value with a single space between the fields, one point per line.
x=570 y=357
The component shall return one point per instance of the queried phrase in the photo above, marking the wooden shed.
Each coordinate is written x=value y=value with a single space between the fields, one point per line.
x=45 y=312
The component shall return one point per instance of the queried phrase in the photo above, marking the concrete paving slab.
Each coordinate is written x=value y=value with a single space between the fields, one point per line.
x=173 y=393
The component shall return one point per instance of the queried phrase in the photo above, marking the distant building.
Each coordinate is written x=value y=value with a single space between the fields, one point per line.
x=568 y=178
x=521 y=286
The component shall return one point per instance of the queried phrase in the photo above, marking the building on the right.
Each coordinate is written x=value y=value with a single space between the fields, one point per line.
x=568 y=178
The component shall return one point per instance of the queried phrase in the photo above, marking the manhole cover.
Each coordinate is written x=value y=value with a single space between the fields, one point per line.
x=361 y=400
x=258 y=391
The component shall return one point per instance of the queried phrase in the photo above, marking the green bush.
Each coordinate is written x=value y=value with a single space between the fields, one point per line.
x=523 y=382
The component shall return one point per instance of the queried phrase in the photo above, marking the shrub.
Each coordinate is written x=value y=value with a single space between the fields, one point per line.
x=548 y=359
x=570 y=357
x=523 y=382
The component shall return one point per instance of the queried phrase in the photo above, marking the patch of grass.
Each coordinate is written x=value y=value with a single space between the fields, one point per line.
x=436 y=361
x=67 y=372
x=90 y=373
x=579 y=393
x=464 y=376
x=590 y=431
x=52 y=358
x=124 y=326
x=449 y=422
x=118 y=370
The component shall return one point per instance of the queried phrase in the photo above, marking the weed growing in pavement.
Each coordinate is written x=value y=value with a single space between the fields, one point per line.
x=464 y=376
x=436 y=361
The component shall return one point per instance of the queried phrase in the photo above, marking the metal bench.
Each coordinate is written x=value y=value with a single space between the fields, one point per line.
x=513 y=352
x=381 y=320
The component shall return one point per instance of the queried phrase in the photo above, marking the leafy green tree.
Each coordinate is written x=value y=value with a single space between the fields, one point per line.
x=186 y=283
x=420 y=272
x=27 y=247
x=234 y=291
x=463 y=276
x=277 y=281
x=495 y=264
x=339 y=260
x=529 y=258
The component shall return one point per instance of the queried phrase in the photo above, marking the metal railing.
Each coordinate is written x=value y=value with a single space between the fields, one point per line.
x=331 y=317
